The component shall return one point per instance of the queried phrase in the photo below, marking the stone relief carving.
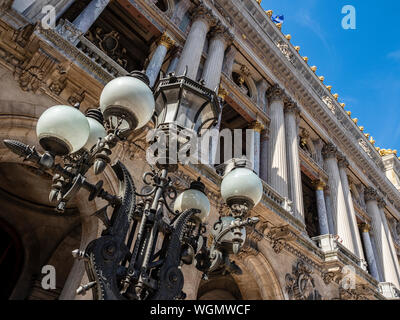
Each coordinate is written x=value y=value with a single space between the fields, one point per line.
x=300 y=284
x=284 y=48
x=329 y=103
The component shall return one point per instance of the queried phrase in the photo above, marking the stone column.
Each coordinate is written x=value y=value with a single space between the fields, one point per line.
x=193 y=49
x=156 y=62
x=321 y=207
x=381 y=242
x=229 y=60
x=220 y=37
x=262 y=87
x=343 y=164
x=369 y=251
x=264 y=156
x=338 y=201
x=329 y=213
x=174 y=61
x=89 y=16
x=277 y=154
x=258 y=128
x=292 y=112
x=393 y=254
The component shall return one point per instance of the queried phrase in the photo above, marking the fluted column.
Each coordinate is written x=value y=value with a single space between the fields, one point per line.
x=277 y=155
x=381 y=206
x=382 y=244
x=292 y=112
x=220 y=37
x=89 y=16
x=338 y=202
x=343 y=164
x=321 y=207
x=257 y=127
x=193 y=49
x=264 y=156
x=369 y=251
x=174 y=61
x=229 y=60
x=262 y=87
x=329 y=213
x=153 y=69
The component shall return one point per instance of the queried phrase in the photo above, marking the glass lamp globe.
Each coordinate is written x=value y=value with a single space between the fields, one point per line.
x=62 y=130
x=97 y=130
x=241 y=184
x=194 y=198
x=129 y=98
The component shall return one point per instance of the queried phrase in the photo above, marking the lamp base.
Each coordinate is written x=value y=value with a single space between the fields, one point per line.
x=55 y=146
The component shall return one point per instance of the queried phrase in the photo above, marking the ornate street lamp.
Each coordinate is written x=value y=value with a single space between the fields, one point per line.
x=145 y=242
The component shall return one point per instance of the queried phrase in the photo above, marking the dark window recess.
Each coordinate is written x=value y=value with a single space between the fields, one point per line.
x=310 y=207
x=162 y=5
x=241 y=82
x=74 y=10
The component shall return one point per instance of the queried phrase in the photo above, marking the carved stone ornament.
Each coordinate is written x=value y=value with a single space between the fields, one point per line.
x=284 y=48
x=371 y=194
x=279 y=236
x=329 y=103
x=290 y=106
x=342 y=161
x=329 y=151
x=203 y=12
x=300 y=283
x=275 y=93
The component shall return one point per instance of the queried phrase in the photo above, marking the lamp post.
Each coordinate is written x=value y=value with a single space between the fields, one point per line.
x=125 y=261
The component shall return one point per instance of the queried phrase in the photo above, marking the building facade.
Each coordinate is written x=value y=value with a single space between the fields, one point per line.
x=330 y=213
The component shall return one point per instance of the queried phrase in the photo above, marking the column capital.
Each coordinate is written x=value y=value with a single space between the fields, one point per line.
x=290 y=106
x=221 y=31
x=329 y=151
x=319 y=185
x=256 y=126
x=381 y=203
x=275 y=92
x=365 y=227
x=203 y=12
x=371 y=194
x=166 y=41
x=342 y=161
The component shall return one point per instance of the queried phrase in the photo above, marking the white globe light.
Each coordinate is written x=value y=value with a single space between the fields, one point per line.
x=96 y=131
x=62 y=130
x=193 y=199
x=129 y=97
x=242 y=183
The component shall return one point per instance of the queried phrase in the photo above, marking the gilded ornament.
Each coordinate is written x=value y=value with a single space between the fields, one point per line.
x=297 y=48
x=329 y=88
x=322 y=78
x=314 y=68
x=361 y=128
x=269 y=13
x=336 y=96
x=355 y=120
x=305 y=59
x=367 y=135
x=166 y=41
x=349 y=113
x=288 y=37
x=371 y=140
x=342 y=105
x=279 y=25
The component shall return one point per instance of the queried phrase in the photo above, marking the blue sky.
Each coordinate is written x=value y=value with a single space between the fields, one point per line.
x=362 y=65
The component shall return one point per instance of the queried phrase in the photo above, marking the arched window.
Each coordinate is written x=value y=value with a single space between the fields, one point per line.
x=11 y=259
x=241 y=82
